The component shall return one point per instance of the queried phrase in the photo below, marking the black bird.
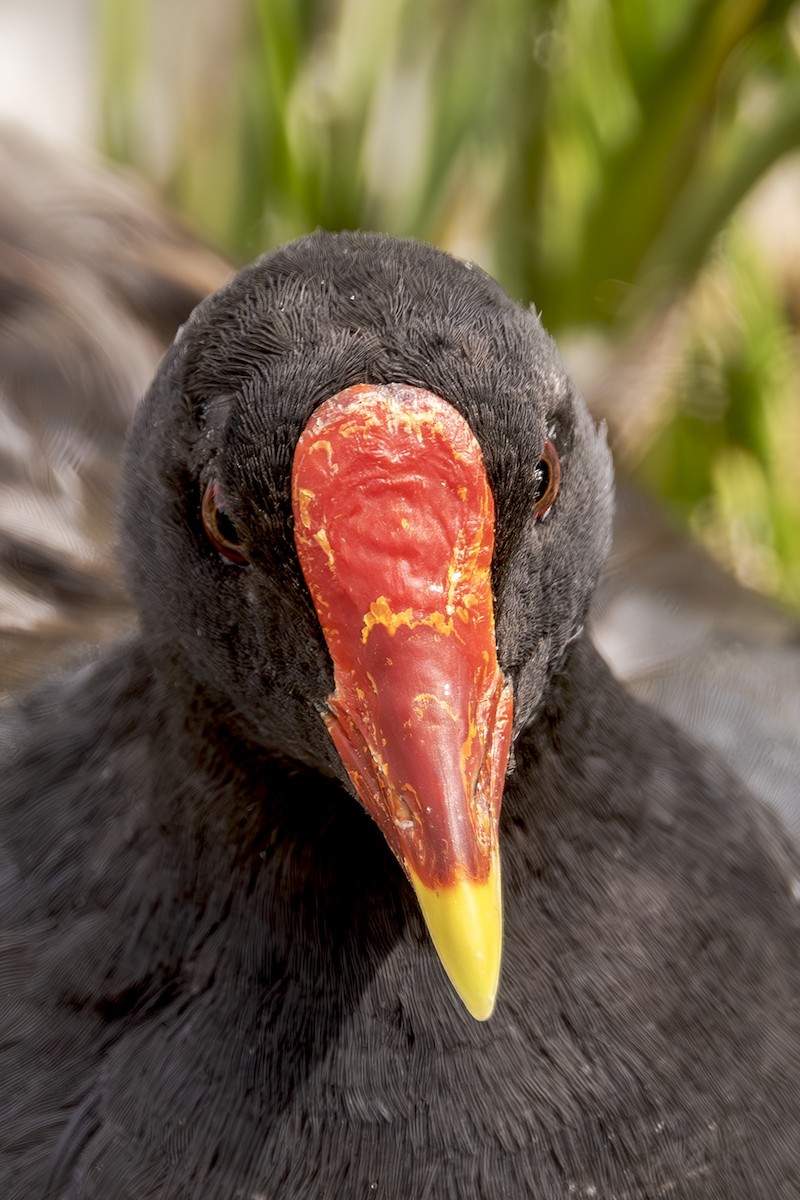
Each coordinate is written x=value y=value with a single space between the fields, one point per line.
x=95 y=278
x=364 y=514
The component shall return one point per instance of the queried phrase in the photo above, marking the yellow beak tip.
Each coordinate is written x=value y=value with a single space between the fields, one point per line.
x=465 y=922
x=481 y=1008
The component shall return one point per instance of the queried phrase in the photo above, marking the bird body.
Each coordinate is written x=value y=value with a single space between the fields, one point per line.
x=215 y=981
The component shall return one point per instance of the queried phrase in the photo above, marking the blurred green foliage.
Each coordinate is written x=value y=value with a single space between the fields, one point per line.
x=593 y=154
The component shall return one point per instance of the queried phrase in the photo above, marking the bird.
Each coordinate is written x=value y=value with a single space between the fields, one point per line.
x=354 y=871
x=95 y=279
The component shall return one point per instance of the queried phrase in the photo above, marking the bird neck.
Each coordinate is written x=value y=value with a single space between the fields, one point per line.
x=583 y=740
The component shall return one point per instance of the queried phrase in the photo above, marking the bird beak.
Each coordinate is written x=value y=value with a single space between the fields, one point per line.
x=394 y=527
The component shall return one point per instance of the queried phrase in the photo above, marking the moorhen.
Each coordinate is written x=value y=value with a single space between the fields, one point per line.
x=364 y=512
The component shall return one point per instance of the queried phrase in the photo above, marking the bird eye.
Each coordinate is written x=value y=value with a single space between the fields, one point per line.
x=548 y=470
x=219 y=527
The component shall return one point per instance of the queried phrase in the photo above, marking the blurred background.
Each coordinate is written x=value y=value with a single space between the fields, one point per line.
x=627 y=166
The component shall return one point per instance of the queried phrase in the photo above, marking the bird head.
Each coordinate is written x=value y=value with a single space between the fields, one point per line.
x=364 y=512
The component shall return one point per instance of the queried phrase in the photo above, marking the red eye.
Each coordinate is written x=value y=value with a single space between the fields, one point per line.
x=549 y=471
x=219 y=527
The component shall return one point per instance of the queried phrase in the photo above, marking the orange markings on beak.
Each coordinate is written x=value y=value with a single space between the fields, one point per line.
x=394 y=526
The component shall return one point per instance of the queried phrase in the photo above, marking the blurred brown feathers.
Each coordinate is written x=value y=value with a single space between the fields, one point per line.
x=95 y=279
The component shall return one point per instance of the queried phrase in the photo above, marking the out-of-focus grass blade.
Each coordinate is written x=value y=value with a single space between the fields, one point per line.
x=717 y=188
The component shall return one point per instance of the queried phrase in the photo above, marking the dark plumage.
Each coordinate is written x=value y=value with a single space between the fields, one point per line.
x=214 y=979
